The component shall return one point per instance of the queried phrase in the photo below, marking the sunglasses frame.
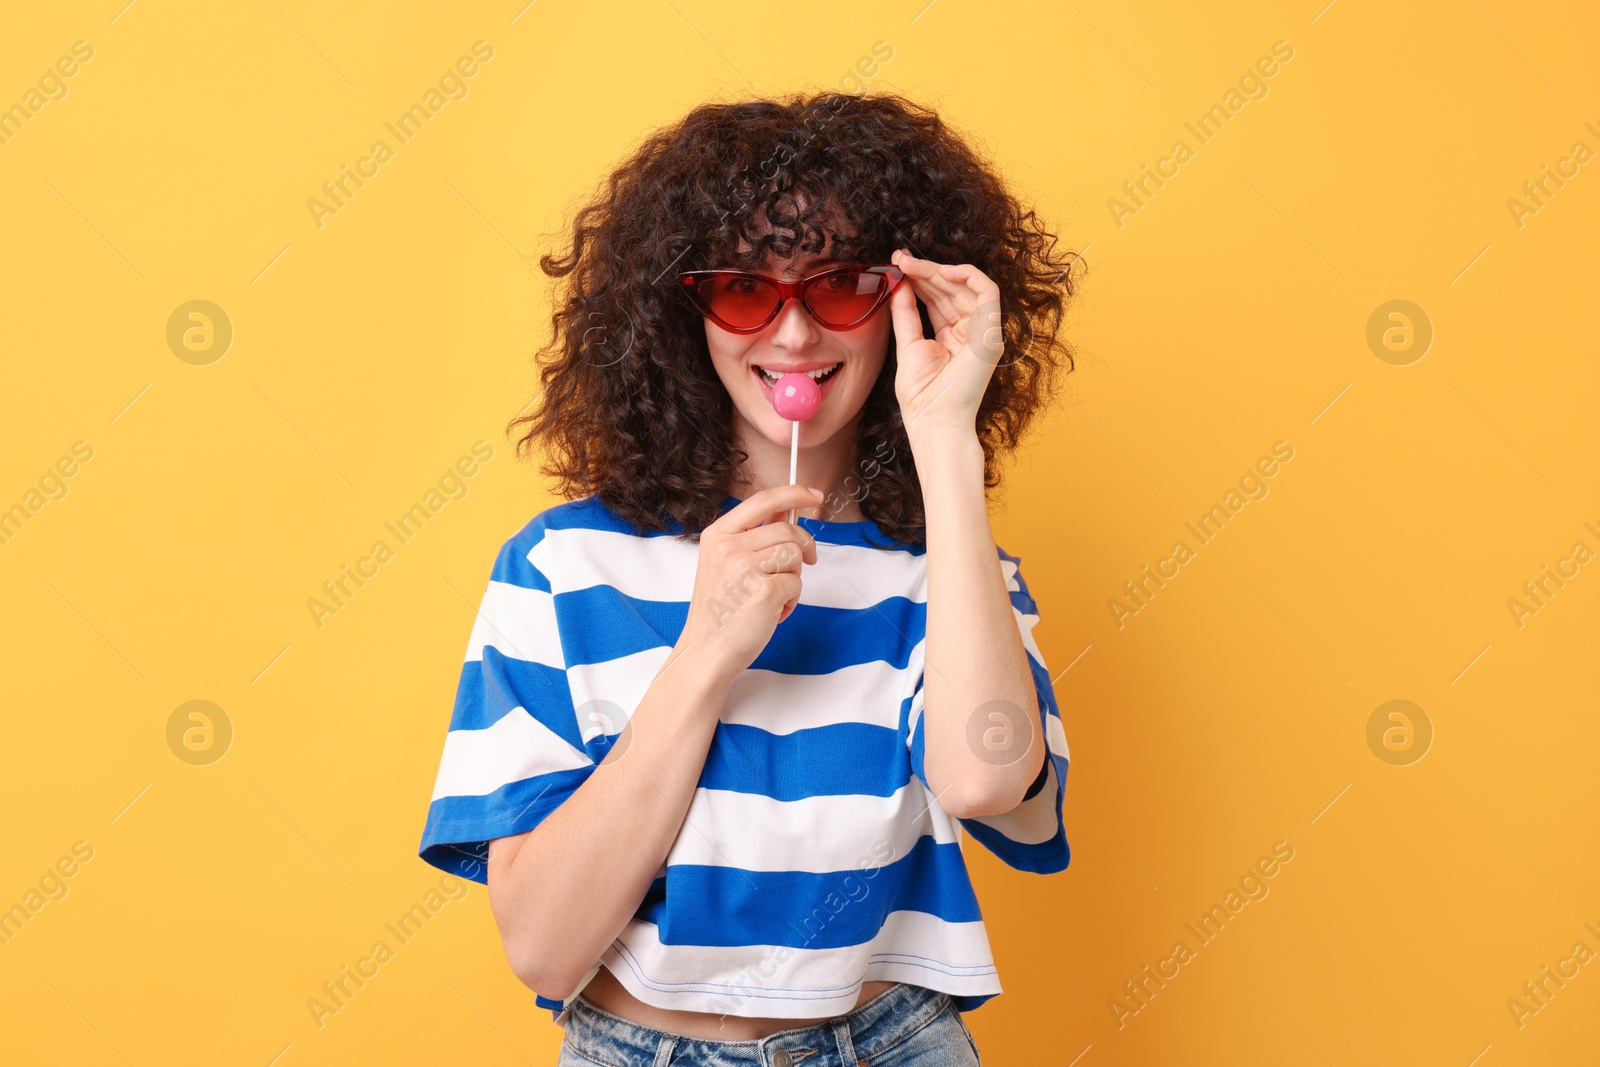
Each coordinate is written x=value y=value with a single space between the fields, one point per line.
x=690 y=281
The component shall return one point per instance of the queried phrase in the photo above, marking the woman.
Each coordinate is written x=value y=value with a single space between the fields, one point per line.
x=713 y=765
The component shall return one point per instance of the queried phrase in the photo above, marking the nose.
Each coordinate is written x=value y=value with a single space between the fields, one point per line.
x=795 y=329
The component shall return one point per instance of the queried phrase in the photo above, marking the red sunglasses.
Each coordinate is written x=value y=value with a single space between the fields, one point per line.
x=742 y=301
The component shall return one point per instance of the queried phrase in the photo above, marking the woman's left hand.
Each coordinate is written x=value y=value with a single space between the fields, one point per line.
x=941 y=380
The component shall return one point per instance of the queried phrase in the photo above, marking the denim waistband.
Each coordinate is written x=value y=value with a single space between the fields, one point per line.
x=863 y=1033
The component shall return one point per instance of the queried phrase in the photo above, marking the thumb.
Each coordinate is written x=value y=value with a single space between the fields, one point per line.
x=903 y=312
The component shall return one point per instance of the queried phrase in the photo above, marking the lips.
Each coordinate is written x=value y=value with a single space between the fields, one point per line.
x=824 y=374
x=818 y=372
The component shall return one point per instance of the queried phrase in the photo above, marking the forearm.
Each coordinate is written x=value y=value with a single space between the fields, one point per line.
x=572 y=884
x=974 y=656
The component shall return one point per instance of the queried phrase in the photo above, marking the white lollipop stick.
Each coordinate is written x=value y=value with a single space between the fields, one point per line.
x=795 y=397
x=794 y=460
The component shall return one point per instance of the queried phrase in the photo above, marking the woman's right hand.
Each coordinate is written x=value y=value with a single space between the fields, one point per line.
x=747 y=579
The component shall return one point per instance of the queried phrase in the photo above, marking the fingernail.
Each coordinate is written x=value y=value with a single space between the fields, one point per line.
x=818 y=493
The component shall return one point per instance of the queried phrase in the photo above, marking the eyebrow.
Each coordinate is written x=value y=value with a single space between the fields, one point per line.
x=804 y=268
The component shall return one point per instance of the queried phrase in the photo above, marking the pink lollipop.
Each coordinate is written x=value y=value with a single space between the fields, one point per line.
x=796 y=397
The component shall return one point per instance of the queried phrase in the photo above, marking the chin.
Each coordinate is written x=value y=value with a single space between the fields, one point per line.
x=814 y=431
x=842 y=400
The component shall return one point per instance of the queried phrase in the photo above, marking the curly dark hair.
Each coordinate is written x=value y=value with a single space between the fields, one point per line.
x=632 y=410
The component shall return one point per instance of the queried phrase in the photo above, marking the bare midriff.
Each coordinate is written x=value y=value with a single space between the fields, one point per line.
x=608 y=994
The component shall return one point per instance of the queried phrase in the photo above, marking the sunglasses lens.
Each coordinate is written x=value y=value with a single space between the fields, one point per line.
x=845 y=297
x=740 y=300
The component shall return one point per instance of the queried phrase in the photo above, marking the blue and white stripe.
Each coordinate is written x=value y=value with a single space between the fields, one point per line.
x=814 y=857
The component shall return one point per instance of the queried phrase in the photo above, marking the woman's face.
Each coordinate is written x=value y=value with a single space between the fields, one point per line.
x=795 y=342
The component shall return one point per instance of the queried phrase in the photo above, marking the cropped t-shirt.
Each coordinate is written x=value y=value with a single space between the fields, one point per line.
x=813 y=857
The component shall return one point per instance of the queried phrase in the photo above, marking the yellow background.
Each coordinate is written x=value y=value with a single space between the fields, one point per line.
x=1227 y=314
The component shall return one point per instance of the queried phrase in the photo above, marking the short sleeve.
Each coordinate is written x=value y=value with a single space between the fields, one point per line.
x=1033 y=835
x=514 y=750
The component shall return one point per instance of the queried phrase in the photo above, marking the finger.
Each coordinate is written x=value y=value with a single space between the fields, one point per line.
x=942 y=311
x=936 y=293
x=934 y=285
x=903 y=313
x=985 y=337
x=800 y=544
x=788 y=608
x=774 y=534
x=973 y=304
x=785 y=558
x=785 y=590
x=981 y=285
x=762 y=505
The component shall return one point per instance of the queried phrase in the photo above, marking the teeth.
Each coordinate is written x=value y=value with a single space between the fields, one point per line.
x=771 y=378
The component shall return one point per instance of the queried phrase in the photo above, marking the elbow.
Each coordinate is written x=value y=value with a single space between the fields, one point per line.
x=526 y=964
x=984 y=805
x=546 y=956
x=532 y=966
x=990 y=802
x=976 y=804
x=529 y=956
x=528 y=944
x=983 y=799
x=963 y=800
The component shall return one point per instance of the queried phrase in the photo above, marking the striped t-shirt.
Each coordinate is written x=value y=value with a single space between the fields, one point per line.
x=813 y=856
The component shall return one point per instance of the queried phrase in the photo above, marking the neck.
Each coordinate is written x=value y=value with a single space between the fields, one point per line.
x=825 y=465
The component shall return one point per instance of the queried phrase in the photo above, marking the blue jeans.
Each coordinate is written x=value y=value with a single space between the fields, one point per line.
x=907 y=1026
